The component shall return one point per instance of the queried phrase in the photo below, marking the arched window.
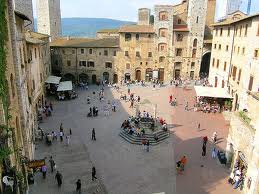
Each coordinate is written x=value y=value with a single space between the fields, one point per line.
x=127 y=37
x=137 y=36
x=195 y=42
x=161 y=59
x=127 y=66
x=163 y=32
x=12 y=85
x=162 y=47
x=163 y=15
x=194 y=53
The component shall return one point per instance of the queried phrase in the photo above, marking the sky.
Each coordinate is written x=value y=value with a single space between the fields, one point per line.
x=119 y=9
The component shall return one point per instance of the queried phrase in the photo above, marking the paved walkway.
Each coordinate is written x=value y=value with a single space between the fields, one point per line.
x=203 y=175
x=124 y=168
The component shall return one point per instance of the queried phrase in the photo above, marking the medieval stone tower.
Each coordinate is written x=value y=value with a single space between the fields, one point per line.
x=49 y=18
x=143 y=16
x=25 y=7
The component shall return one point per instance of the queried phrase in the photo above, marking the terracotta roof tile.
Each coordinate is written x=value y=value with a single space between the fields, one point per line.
x=116 y=30
x=137 y=29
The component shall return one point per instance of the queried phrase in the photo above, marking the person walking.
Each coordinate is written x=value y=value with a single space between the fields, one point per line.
x=61 y=127
x=131 y=103
x=59 y=178
x=205 y=140
x=183 y=162
x=186 y=106
x=93 y=135
x=214 y=137
x=93 y=174
x=147 y=146
x=52 y=164
x=199 y=126
x=203 y=150
x=214 y=153
x=170 y=98
x=44 y=171
x=78 y=186
x=68 y=140
x=61 y=135
x=70 y=131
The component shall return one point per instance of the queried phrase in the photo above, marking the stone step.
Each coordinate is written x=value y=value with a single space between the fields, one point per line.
x=133 y=139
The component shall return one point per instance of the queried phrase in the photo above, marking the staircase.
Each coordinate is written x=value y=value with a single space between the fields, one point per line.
x=134 y=139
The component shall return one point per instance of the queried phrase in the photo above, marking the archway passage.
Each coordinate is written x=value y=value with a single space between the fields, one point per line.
x=149 y=74
x=138 y=75
x=161 y=74
x=69 y=77
x=127 y=77
x=83 y=78
x=115 y=78
x=93 y=79
x=205 y=65
x=177 y=73
x=106 y=76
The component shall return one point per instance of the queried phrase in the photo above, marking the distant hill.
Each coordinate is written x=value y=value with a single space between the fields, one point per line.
x=87 y=27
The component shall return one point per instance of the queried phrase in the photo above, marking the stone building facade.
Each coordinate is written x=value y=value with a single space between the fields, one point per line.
x=85 y=60
x=49 y=18
x=171 y=47
x=234 y=66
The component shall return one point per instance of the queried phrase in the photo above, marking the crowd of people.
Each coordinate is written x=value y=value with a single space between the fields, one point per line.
x=237 y=176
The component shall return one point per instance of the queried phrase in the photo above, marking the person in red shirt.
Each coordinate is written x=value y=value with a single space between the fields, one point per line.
x=205 y=140
x=170 y=99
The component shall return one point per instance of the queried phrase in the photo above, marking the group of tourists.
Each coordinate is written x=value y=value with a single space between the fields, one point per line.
x=45 y=110
x=180 y=165
x=237 y=176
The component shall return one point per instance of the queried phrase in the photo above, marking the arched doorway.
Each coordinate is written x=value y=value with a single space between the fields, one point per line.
x=83 y=78
x=93 y=79
x=69 y=77
x=138 y=75
x=216 y=82
x=106 y=77
x=161 y=74
x=115 y=78
x=205 y=65
x=149 y=74
x=127 y=77
x=236 y=102
x=177 y=73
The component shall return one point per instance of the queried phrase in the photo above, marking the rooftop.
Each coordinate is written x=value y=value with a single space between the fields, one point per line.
x=35 y=38
x=232 y=19
x=86 y=43
x=115 y=30
x=137 y=29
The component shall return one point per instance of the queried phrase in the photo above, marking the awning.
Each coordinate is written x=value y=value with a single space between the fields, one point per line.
x=212 y=92
x=65 y=86
x=53 y=80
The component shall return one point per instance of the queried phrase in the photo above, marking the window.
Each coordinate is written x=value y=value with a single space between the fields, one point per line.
x=197 y=19
x=194 y=53
x=163 y=15
x=146 y=63
x=246 y=29
x=35 y=52
x=228 y=31
x=33 y=84
x=161 y=59
x=179 y=38
x=215 y=46
x=221 y=31
x=140 y=63
x=256 y=53
x=243 y=51
x=178 y=52
x=213 y=62
x=149 y=36
x=162 y=47
x=105 y=52
x=114 y=53
x=149 y=54
x=126 y=53
x=179 y=21
x=239 y=75
x=82 y=63
x=73 y=52
x=225 y=66
x=163 y=32
x=90 y=51
x=217 y=63
x=234 y=72
x=137 y=36
x=30 y=55
x=12 y=85
x=258 y=30
x=82 y=51
x=68 y=63
x=236 y=31
x=41 y=77
x=100 y=53
x=127 y=37
x=195 y=42
x=238 y=49
x=137 y=54
x=250 y=86
x=108 y=65
x=219 y=46
x=226 y=47
x=216 y=33
x=127 y=66
x=90 y=63
x=240 y=31
x=192 y=65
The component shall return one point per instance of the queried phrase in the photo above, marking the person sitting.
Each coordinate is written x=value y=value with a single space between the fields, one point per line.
x=164 y=127
x=138 y=132
x=156 y=137
x=142 y=131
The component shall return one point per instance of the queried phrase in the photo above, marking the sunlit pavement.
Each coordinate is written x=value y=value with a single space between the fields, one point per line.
x=124 y=168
